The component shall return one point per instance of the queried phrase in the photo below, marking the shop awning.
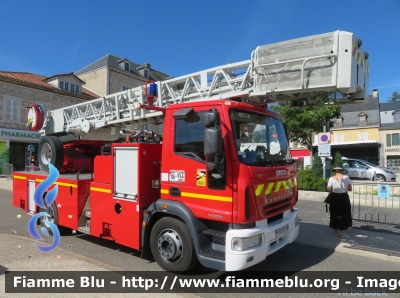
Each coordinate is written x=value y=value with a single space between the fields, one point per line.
x=299 y=153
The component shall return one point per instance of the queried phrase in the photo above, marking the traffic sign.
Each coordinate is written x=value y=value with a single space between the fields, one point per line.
x=324 y=138
x=324 y=150
x=31 y=148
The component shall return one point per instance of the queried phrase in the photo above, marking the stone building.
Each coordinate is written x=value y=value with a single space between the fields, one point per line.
x=17 y=91
x=356 y=132
x=390 y=135
x=111 y=74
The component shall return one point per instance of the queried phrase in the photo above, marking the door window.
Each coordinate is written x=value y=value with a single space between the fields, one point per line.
x=189 y=143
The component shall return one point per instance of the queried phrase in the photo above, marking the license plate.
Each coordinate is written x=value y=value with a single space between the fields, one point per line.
x=282 y=230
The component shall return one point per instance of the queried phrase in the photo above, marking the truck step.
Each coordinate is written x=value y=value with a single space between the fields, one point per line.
x=214 y=254
x=216 y=236
x=84 y=229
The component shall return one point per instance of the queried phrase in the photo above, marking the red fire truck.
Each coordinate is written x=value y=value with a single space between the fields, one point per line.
x=219 y=187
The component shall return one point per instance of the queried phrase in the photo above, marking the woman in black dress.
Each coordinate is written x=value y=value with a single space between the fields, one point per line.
x=340 y=207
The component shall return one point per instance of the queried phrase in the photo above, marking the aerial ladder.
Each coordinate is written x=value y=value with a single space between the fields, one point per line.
x=331 y=64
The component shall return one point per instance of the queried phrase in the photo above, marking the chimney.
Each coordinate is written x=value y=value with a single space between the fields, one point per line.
x=375 y=93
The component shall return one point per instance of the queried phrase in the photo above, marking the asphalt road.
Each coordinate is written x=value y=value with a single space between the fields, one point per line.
x=312 y=251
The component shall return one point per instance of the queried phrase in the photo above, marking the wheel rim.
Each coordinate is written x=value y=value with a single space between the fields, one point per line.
x=50 y=218
x=380 y=178
x=45 y=153
x=170 y=245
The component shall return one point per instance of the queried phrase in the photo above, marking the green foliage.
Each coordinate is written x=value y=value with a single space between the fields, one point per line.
x=317 y=167
x=302 y=122
x=395 y=97
x=307 y=181
x=259 y=136
x=337 y=161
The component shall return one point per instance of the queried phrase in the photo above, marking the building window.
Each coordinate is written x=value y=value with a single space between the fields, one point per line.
x=392 y=139
x=11 y=109
x=393 y=162
x=338 y=122
x=77 y=89
x=363 y=136
x=338 y=137
x=395 y=139
x=362 y=118
x=45 y=106
x=66 y=86
x=62 y=85
x=396 y=116
x=126 y=65
x=72 y=88
x=146 y=73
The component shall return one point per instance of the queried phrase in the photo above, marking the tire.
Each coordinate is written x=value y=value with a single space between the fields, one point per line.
x=172 y=245
x=52 y=211
x=50 y=150
x=380 y=178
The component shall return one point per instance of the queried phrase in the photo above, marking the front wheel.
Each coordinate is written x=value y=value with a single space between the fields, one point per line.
x=172 y=246
x=380 y=178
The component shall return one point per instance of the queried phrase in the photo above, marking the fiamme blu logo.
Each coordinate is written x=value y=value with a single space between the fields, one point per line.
x=44 y=204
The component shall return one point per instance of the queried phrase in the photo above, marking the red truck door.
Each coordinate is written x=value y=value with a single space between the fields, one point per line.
x=185 y=177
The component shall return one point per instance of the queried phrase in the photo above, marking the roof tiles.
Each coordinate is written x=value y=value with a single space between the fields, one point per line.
x=37 y=80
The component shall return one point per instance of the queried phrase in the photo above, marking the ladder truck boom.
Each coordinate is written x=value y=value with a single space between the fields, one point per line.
x=294 y=70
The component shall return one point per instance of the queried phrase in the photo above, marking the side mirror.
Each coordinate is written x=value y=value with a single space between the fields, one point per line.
x=212 y=141
x=212 y=134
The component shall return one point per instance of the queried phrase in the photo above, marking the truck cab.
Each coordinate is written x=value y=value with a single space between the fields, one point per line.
x=227 y=173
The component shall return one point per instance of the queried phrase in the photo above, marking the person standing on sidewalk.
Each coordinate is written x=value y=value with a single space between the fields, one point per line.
x=340 y=208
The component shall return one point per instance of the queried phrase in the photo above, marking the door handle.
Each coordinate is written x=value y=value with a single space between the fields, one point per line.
x=175 y=191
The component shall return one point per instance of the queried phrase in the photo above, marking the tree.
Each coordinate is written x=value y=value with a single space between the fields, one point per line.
x=317 y=168
x=301 y=123
x=337 y=161
x=395 y=97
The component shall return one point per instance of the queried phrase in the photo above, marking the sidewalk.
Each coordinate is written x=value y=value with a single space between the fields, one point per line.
x=19 y=254
x=367 y=239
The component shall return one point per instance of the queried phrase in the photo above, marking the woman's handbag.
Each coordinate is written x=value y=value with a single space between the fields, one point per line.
x=328 y=201
x=328 y=198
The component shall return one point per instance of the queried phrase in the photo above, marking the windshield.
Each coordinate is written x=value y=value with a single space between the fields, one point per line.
x=369 y=164
x=260 y=139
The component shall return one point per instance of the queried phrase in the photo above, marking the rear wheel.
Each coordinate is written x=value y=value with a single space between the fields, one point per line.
x=172 y=246
x=53 y=217
x=380 y=178
x=51 y=150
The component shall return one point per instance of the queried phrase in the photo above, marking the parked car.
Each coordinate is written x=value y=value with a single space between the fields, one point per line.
x=361 y=169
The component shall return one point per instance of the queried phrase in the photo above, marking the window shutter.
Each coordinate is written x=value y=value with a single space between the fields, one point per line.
x=388 y=140
x=11 y=111
x=15 y=110
x=395 y=139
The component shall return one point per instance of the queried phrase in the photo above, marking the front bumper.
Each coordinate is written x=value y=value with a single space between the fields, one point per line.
x=238 y=260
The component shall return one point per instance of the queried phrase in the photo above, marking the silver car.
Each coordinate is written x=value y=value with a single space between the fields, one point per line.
x=361 y=169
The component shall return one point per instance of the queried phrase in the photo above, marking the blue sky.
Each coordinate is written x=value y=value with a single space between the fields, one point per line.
x=185 y=36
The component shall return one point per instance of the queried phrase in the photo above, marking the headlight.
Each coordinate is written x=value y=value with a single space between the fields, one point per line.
x=246 y=243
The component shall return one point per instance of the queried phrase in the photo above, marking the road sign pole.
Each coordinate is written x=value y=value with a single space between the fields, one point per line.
x=324 y=163
x=30 y=159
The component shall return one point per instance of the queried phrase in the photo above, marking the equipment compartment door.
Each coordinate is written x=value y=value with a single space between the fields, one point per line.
x=126 y=172
x=31 y=192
